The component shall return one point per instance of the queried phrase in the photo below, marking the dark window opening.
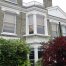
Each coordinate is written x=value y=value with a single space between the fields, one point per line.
x=30 y=29
x=31 y=57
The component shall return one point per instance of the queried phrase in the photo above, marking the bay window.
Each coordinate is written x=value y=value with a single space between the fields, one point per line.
x=35 y=24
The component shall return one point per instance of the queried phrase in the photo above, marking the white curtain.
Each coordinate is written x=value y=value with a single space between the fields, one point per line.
x=40 y=20
x=10 y=18
x=54 y=27
x=30 y=17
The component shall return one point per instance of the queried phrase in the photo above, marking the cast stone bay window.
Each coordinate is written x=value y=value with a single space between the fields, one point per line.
x=9 y=23
x=36 y=23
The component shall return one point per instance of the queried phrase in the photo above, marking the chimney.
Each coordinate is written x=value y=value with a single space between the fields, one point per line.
x=47 y=3
x=20 y=2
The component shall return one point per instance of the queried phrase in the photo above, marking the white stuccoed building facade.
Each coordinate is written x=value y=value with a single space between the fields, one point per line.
x=33 y=21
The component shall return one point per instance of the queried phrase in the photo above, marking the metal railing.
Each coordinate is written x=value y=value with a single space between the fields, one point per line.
x=32 y=3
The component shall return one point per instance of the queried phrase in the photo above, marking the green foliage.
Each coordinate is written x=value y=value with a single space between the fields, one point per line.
x=39 y=62
x=54 y=52
x=13 y=52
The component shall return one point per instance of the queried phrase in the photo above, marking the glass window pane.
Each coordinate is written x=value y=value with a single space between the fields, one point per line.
x=8 y=27
x=64 y=30
x=31 y=57
x=64 y=34
x=9 y=23
x=40 y=24
x=54 y=33
x=40 y=51
x=54 y=30
x=30 y=29
x=10 y=18
x=53 y=27
x=40 y=20
x=40 y=29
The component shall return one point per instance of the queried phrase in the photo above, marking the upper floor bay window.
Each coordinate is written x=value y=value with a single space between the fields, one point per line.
x=40 y=24
x=35 y=24
x=13 y=1
x=9 y=23
x=54 y=29
x=30 y=20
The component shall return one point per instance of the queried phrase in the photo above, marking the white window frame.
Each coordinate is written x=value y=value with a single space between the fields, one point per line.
x=31 y=25
x=7 y=33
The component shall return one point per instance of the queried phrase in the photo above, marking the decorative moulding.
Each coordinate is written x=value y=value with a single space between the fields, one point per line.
x=10 y=10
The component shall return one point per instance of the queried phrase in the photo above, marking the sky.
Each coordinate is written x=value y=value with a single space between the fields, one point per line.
x=60 y=3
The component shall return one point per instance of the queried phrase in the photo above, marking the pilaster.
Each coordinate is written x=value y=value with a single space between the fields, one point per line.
x=35 y=23
x=27 y=25
x=46 y=26
x=35 y=54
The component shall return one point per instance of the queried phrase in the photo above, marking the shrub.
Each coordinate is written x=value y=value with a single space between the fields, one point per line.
x=54 y=53
x=13 y=52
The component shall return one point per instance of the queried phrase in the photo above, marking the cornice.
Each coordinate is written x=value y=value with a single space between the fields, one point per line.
x=13 y=6
x=22 y=8
x=55 y=8
x=36 y=9
x=56 y=18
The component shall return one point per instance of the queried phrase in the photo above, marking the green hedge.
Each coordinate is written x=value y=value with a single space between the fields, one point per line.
x=13 y=52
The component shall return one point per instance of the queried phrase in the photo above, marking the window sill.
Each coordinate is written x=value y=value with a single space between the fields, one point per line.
x=11 y=34
x=42 y=35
